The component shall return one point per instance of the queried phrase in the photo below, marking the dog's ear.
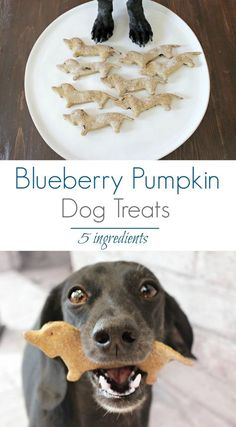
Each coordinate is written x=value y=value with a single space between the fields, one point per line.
x=178 y=331
x=52 y=386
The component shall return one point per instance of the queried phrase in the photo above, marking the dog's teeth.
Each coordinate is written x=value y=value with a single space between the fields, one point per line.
x=117 y=394
x=104 y=384
x=106 y=387
x=135 y=383
x=133 y=375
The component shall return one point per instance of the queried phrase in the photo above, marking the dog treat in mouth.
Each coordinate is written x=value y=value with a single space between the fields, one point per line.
x=123 y=85
x=60 y=339
x=138 y=106
x=79 y=48
x=142 y=59
x=89 y=122
x=75 y=97
x=80 y=69
x=155 y=68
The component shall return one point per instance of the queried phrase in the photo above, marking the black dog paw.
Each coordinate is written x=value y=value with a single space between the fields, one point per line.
x=102 y=29
x=140 y=32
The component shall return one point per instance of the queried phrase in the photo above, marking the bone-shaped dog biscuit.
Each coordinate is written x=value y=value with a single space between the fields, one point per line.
x=89 y=122
x=138 y=105
x=163 y=71
x=60 y=339
x=123 y=85
x=79 y=48
x=142 y=59
x=80 y=69
x=75 y=97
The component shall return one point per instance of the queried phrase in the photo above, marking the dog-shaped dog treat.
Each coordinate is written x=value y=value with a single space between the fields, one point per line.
x=90 y=122
x=165 y=70
x=81 y=69
x=138 y=105
x=79 y=48
x=142 y=59
x=75 y=97
x=60 y=339
x=123 y=85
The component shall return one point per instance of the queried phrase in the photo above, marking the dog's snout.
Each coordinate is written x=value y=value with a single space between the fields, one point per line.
x=114 y=333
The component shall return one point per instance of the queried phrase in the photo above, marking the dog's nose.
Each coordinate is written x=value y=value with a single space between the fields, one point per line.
x=102 y=338
x=108 y=334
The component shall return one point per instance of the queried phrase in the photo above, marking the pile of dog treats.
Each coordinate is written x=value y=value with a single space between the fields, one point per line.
x=153 y=71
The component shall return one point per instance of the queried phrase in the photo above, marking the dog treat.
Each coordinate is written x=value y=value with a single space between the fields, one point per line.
x=79 y=48
x=75 y=97
x=89 y=122
x=138 y=106
x=165 y=70
x=60 y=339
x=123 y=85
x=142 y=59
x=160 y=355
x=80 y=69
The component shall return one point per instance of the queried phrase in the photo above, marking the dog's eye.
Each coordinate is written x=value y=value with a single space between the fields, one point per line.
x=148 y=291
x=78 y=296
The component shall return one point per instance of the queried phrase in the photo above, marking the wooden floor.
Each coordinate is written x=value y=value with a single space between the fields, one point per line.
x=204 y=285
x=21 y=22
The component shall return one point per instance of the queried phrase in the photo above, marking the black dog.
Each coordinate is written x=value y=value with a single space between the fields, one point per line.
x=140 y=30
x=120 y=307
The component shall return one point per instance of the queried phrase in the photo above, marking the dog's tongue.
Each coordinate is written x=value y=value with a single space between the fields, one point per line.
x=120 y=375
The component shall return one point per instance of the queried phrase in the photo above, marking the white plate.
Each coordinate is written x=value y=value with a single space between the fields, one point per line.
x=156 y=132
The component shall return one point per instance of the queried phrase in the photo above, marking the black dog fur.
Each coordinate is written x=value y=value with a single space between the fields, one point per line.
x=114 y=304
x=140 y=29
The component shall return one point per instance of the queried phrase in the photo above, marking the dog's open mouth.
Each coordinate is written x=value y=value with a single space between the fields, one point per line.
x=119 y=389
x=118 y=382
